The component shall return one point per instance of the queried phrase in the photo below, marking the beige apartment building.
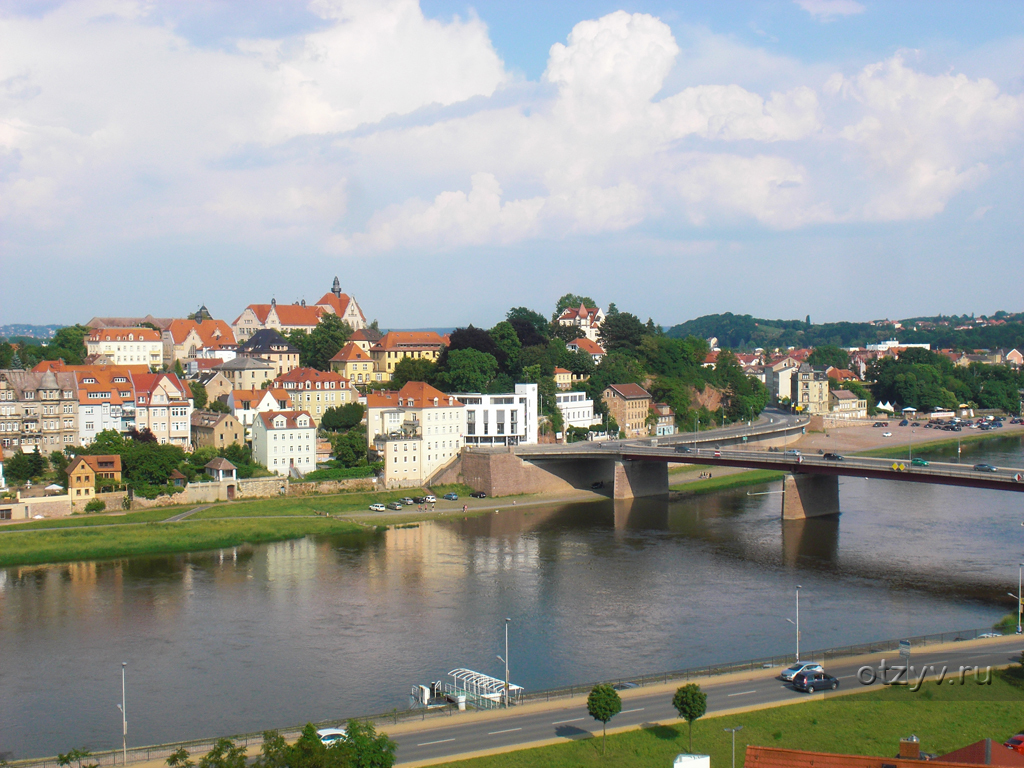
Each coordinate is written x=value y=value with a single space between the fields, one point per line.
x=809 y=388
x=629 y=405
x=38 y=409
x=127 y=346
x=163 y=405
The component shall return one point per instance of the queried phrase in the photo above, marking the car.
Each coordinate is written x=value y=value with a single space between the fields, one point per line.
x=1014 y=742
x=331 y=736
x=984 y=468
x=832 y=457
x=377 y=507
x=624 y=686
x=904 y=423
x=407 y=501
x=801 y=666
x=916 y=424
x=877 y=424
x=815 y=681
x=395 y=505
x=682 y=449
x=478 y=495
x=419 y=499
x=919 y=463
x=792 y=452
x=451 y=496
x=987 y=635
x=429 y=499
x=887 y=434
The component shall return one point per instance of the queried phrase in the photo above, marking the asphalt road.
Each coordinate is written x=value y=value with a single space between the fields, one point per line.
x=447 y=738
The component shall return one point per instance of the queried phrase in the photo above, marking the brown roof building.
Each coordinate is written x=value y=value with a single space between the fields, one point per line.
x=630 y=406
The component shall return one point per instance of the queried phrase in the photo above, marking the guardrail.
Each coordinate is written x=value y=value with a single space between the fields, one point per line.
x=197 y=747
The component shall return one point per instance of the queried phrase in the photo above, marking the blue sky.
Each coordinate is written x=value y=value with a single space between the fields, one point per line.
x=845 y=159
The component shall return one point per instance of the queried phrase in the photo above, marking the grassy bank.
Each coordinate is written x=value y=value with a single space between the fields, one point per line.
x=91 y=543
x=945 y=718
x=303 y=506
x=99 y=519
x=738 y=480
x=900 y=451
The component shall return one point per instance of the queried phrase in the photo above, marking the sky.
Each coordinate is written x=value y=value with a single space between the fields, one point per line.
x=843 y=159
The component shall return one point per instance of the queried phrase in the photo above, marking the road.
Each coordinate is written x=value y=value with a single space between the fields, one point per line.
x=448 y=738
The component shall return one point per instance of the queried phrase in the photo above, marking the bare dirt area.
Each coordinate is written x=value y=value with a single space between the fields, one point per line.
x=865 y=437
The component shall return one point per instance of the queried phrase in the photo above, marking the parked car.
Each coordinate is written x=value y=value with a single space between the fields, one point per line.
x=419 y=499
x=407 y=501
x=985 y=468
x=887 y=434
x=395 y=505
x=625 y=686
x=1014 y=742
x=331 y=736
x=815 y=681
x=916 y=424
x=377 y=508
x=451 y=496
x=904 y=423
x=987 y=635
x=801 y=666
x=478 y=495
x=832 y=457
x=429 y=499
x=877 y=424
x=919 y=463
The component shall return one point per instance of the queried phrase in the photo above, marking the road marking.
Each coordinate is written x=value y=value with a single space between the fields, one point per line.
x=439 y=741
x=741 y=693
x=507 y=730
x=627 y=711
x=574 y=720
x=846 y=677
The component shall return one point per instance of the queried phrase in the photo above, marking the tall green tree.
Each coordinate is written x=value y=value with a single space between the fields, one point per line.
x=829 y=355
x=468 y=370
x=363 y=747
x=225 y=754
x=412 y=369
x=621 y=331
x=528 y=316
x=18 y=468
x=691 y=703
x=603 y=704
x=200 y=397
x=342 y=418
x=273 y=751
x=507 y=341
x=326 y=340
x=572 y=300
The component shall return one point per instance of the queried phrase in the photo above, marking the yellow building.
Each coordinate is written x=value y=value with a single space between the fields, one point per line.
x=315 y=391
x=629 y=405
x=398 y=345
x=354 y=363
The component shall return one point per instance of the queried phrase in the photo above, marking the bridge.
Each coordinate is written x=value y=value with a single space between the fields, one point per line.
x=810 y=487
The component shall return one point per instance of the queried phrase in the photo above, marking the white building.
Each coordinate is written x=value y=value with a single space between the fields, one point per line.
x=127 y=346
x=247 y=404
x=106 y=400
x=577 y=410
x=284 y=441
x=587 y=319
x=502 y=419
x=885 y=346
x=163 y=405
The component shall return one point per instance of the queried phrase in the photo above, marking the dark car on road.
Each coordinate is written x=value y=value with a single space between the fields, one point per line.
x=904 y=423
x=815 y=681
x=984 y=468
x=682 y=449
x=832 y=457
x=419 y=499
x=478 y=495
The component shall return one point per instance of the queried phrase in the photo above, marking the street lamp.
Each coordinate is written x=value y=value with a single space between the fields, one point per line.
x=696 y=420
x=733 y=732
x=124 y=720
x=1020 y=605
x=797 y=622
x=505 y=661
x=911 y=446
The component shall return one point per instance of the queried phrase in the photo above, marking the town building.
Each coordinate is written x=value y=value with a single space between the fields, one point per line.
x=247 y=372
x=354 y=363
x=246 y=404
x=664 y=420
x=221 y=469
x=285 y=442
x=127 y=346
x=106 y=400
x=844 y=404
x=577 y=410
x=81 y=480
x=344 y=306
x=778 y=375
x=365 y=338
x=163 y=405
x=587 y=319
x=38 y=409
x=563 y=378
x=271 y=346
x=591 y=347
x=215 y=383
x=183 y=340
x=289 y=317
x=395 y=346
x=630 y=406
x=809 y=388
x=216 y=430
x=416 y=431
x=501 y=419
x=314 y=391
x=163 y=323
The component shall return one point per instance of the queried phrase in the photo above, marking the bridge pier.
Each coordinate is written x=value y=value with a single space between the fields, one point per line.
x=640 y=478
x=806 y=496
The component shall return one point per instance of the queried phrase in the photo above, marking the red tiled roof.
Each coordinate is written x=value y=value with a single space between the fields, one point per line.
x=630 y=391
x=350 y=352
x=291 y=419
x=302 y=375
x=411 y=340
x=339 y=304
x=122 y=334
x=561 y=371
x=773 y=757
x=288 y=314
x=147 y=382
x=212 y=333
x=415 y=394
x=588 y=346
x=581 y=311
x=984 y=752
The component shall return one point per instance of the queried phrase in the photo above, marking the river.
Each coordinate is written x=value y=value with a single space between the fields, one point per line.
x=271 y=636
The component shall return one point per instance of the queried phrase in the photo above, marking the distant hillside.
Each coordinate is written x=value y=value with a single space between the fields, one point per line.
x=28 y=331
x=743 y=332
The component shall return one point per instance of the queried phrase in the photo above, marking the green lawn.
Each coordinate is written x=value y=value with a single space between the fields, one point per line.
x=753 y=477
x=944 y=718
x=77 y=521
x=304 y=505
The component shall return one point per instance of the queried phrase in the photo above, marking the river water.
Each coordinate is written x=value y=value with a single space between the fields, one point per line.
x=272 y=636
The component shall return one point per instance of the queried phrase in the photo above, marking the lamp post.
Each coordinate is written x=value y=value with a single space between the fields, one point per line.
x=1018 y=596
x=733 y=732
x=911 y=446
x=797 y=622
x=505 y=661
x=124 y=719
x=696 y=420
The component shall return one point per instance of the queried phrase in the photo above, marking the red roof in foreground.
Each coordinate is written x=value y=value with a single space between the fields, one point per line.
x=968 y=757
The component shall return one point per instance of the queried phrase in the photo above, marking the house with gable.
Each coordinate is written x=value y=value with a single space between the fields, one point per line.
x=285 y=442
x=184 y=340
x=395 y=346
x=271 y=346
x=354 y=363
x=282 y=318
x=591 y=347
x=246 y=404
x=587 y=319
x=314 y=391
x=127 y=346
x=163 y=405
x=343 y=305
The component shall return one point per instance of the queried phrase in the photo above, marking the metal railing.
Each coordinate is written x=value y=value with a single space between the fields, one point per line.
x=197 y=747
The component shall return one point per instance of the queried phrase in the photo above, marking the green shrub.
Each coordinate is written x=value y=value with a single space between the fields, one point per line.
x=96 y=505
x=339 y=474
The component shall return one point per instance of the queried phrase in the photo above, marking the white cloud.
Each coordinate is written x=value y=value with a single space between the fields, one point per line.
x=826 y=10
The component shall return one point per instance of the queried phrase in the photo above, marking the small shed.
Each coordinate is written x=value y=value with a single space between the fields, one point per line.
x=178 y=479
x=220 y=469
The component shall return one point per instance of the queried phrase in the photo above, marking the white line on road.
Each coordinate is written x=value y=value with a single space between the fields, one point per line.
x=428 y=743
x=741 y=693
x=627 y=711
x=574 y=720
x=507 y=730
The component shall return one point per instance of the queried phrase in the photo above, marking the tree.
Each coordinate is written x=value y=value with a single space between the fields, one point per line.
x=225 y=754
x=572 y=300
x=529 y=317
x=76 y=756
x=178 y=370
x=342 y=418
x=691 y=703
x=59 y=462
x=273 y=752
x=363 y=747
x=507 y=341
x=603 y=704
x=412 y=369
x=200 y=397
x=179 y=759
x=219 y=406
x=468 y=370
x=18 y=468
x=326 y=340
x=37 y=462
x=621 y=331
x=829 y=355
x=308 y=751
x=350 y=447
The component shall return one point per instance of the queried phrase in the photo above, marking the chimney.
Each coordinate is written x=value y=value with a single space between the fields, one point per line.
x=910 y=748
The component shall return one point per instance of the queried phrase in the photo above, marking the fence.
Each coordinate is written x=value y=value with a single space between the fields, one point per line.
x=200 y=746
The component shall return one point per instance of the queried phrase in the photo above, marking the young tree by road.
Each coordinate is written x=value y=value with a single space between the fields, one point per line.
x=365 y=748
x=691 y=703
x=225 y=754
x=603 y=704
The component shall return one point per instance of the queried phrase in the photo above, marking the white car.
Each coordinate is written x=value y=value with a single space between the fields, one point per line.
x=431 y=499
x=378 y=508
x=790 y=672
x=887 y=434
x=331 y=736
